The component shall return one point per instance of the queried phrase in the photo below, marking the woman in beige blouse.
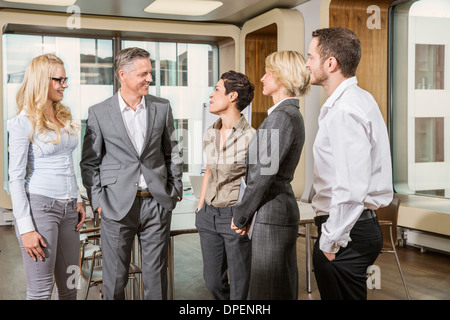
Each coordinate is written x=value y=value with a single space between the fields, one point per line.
x=226 y=255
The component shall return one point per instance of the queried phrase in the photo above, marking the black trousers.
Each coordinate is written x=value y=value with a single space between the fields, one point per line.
x=344 y=278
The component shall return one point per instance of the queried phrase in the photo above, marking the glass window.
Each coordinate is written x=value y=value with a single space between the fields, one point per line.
x=421 y=97
x=430 y=66
x=168 y=64
x=96 y=62
x=429 y=138
x=89 y=67
x=182 y=64
x=185 y=74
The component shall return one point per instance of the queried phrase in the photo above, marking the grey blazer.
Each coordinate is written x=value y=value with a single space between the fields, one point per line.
x=111 y=166
x=273 y=155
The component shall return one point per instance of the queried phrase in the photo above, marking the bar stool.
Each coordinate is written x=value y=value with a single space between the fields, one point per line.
x=387 y=217
x=135 y=273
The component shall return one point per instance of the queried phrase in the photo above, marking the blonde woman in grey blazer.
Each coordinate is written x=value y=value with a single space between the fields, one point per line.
x=273 y=155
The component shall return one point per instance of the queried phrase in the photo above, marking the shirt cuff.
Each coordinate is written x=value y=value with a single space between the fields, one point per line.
x=326 y=245
x=25 y=225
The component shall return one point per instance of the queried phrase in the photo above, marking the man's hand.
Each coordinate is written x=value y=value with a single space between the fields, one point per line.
x=330 y=256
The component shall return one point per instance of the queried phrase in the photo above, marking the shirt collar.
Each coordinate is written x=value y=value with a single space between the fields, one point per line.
x=276 y=105
x=339 y=90
x=123 y=105
x=241 y=124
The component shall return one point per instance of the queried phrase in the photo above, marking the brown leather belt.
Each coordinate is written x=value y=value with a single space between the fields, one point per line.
x=144 y=194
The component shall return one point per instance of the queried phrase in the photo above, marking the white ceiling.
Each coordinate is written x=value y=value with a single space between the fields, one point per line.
x=232 y=11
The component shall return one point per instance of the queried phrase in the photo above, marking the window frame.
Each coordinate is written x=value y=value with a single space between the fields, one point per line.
x=401 y=142
x=117 y=38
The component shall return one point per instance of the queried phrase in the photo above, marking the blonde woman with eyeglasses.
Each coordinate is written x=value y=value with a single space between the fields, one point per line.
x=46 y=203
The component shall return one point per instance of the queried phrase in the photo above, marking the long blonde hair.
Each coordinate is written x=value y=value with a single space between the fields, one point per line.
x=33 y=95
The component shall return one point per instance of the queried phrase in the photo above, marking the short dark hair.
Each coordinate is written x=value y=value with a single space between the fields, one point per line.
x=342 y=44
x=240 y=83
x=126 y=57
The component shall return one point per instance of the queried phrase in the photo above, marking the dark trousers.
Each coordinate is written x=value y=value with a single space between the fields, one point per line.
x=226 y=254
x=344 y=278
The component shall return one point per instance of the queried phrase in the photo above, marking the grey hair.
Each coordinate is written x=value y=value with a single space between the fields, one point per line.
x=125 y=59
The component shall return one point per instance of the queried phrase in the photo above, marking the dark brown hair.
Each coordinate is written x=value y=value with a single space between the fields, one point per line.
x=238 y=82
x=342 y=44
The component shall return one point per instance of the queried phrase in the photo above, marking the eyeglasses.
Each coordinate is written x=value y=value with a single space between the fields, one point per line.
x=61 y=81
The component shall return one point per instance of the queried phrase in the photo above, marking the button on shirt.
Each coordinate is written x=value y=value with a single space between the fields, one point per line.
x=136 y=125
x=352 y=162
x=40 y=167
x=227 y=165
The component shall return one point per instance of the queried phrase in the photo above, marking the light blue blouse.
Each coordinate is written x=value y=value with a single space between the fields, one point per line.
x=40 y=167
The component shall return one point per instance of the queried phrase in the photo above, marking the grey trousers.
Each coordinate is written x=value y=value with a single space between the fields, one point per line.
x=226 y=254
x=151 y=223
x=55 y=221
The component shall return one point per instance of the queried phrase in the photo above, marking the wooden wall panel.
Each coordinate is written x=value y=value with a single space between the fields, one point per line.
x=258 y=45
x=272 y=31
x=372 y=29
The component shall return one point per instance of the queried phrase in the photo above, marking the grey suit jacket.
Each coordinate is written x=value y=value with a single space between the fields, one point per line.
x=111 y=166
x=273 y=155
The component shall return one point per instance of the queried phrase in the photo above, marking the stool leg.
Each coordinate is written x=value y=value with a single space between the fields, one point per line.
x=90 y=276
x=87 y=291
x=132 y=288
x=308 y=256
x=398 y=264
x=170 y=273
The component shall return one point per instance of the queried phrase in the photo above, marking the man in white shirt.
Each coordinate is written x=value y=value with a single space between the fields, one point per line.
x=352 y=168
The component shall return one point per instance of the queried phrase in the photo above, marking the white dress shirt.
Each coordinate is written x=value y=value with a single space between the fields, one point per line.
x=352 y=162
x=136 y=125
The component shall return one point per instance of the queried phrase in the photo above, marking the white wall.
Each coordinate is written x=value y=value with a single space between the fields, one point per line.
x=311 y=15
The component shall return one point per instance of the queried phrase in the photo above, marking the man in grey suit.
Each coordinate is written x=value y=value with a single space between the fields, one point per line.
x=132 y=171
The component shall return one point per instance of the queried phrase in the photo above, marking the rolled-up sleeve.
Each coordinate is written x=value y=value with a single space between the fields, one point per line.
x=351 y=150
x=19 y=130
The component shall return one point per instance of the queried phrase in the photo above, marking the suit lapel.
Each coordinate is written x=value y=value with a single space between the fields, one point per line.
x=151 y=113
x=117 y=122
